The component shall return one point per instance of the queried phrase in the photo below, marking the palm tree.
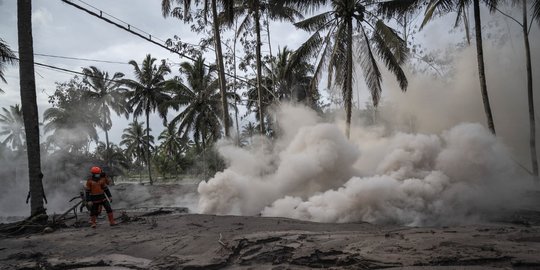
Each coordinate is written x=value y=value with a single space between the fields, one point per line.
x=172 y=148
x=136 y=143
x=461 y=6
x=291 y=79
x=349 y=22
x=6 y=56
x=227 y=5
x=253 y=9
x=171 y=144
x=105 y=94
x=148 y=94
x=524 y=24
x=530 y=94
x=266 y=98
x=248 y=131
x=29 y=105
x=202 y=101
x=12 y=124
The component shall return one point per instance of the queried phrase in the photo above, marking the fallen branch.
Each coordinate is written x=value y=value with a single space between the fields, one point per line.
x=67 y=212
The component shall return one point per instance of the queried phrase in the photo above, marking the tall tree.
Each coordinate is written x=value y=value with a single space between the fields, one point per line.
x=105 y=94
x=266 y=97
x=253 y=10
x=209 y=6
x=291 y=79
x=71 y=120
x=171 y=143
x=137 y=141
x=460 y=7
x=147 y=95
x=524 y=24
x=6 y=57
x=202 y=101
x=530 y=94
x=12 y=126
x=348 y=23
x=172 y=150
x=29 y=104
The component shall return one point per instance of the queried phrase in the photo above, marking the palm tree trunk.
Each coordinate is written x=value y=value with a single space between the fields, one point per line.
x=235 y=80
x=107 y=161
x=348 y=79
x=221 y=68
x=481 y=69
x=271 y=56
x=106 y=129
x=29 y=105
x=532 y=125
x=148 y=162
x=259 y=68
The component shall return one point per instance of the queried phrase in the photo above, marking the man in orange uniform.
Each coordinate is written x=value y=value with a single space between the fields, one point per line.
x=96 y=189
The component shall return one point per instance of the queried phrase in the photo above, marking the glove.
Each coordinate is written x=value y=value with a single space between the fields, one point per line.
x=89 y=204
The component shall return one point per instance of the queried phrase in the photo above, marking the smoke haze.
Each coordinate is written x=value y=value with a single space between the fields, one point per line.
x=414 y=179
x=434 y=163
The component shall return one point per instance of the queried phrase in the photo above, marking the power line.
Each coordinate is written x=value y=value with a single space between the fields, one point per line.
x=133 y=27
x=80 y=59
x=87 y=59
x=147 y=36
x=66 y=70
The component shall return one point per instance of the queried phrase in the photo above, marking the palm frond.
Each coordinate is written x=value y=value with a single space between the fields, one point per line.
x=316 y=23
x=372 y=74
x=310 y=48
x=536 y=10
x=338 y=56
x=304 y=5
x=435 y=7
x=389 y=59
x=283 y=13
x=391 y=9
x=392 y=41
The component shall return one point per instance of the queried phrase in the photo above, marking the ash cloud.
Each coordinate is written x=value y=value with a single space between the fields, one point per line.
x=429 y=160
x=458 y=176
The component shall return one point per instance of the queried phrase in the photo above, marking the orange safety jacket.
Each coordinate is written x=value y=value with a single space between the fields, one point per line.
x=96 y=189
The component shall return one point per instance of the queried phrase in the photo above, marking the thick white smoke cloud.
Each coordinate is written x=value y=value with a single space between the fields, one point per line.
x=314 y=173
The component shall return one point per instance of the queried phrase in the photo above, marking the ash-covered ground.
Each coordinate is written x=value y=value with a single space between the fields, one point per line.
x=150 y=237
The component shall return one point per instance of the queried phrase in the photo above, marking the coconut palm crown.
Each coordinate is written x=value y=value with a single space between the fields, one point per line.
x=348 y=25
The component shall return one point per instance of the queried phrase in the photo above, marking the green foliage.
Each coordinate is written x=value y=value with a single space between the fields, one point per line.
x=72 y=120
x=332 y=43
x=135 y=141
x=200 y=117
x=104 y=94
x=147 y=91
x=205 y=163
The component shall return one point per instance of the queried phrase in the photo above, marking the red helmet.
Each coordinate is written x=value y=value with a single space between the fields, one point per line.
x=95 y=170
